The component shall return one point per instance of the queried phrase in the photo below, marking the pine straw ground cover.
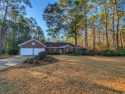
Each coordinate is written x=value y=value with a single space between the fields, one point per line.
x=70 y=75
x=5 y=56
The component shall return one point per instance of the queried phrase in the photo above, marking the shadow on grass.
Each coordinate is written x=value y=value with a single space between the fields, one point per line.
x=93 y=87
x=108 y=89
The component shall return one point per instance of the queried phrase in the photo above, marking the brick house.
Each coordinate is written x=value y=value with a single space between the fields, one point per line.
x=33 y=47
x=59 y=47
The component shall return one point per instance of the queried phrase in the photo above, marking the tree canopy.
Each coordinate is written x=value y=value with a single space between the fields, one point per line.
x=15 y=27
x=95 y=25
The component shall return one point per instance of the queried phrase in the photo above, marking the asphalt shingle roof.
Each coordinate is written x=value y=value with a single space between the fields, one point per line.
x=57 y=44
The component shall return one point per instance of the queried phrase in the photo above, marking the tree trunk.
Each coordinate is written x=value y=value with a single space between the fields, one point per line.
x=93 y=33
x=75 y=38
x=121 y=39
x=86 y=35
x=1 y=45
x=117 y=27
x=2 y=32
x=117 y=33
x=5 y=42
x=13 y=33
x=100 y=42
x=113 y=29
x=106 y=28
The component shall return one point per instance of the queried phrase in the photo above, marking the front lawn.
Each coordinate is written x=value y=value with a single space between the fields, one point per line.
x=70 y=75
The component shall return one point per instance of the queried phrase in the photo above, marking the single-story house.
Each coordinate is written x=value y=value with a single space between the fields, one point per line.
x=59 y=47
x=33 y=47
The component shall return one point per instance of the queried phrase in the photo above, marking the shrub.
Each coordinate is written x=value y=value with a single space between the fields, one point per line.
x=98 y=53
x=79 y=53
x=76 y=53
x=12 y=51
x=3 y=51
x=29 y=60
x=48 y=59
x=112 y=53
x=106 y=54
x=35 y=62
x=53 y=53
x=121 y=53
x=70 y=52
x=25 y=61
x=90 y=53
x=41 y=55
x=36 y=57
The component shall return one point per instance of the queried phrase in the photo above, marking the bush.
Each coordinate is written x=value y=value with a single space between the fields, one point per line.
x=3 y=51
x=25 y=61
x=106 y=54
x=121 y=54
x=41 y=55
x=36 y=57
x=29 y=60
x=90 y=53
x=48 y=59
x=12 y=51
x=35 y=62
x=76 y=53
x=53 y=53
x=98 y=53
x=70 y=52
x=79 y=53
x=112 y=53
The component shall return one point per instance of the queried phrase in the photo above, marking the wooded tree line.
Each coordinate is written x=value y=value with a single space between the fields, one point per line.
x=93 y=24
x=15 y=27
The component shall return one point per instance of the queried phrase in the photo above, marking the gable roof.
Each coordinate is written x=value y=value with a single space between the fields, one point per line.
x=58 y=44
x=66 y=46
x=30 y=41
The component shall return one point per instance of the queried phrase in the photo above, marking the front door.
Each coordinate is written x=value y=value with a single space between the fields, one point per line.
x=61 y=51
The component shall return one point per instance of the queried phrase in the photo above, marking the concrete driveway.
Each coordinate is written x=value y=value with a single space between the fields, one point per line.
x=5 y=63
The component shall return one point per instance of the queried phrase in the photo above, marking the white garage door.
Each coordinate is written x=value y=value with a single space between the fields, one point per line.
x=26 y=51
x=29 y=51
x=37 y=50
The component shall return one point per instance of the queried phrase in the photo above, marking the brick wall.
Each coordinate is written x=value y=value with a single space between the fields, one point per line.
x=29 y=45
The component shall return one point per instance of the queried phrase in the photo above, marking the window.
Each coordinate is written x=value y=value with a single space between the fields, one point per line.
x=54 y=50
x=33 y=43
x=67 y=49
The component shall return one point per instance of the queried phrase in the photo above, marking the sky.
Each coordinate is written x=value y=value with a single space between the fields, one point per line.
x=37 y=10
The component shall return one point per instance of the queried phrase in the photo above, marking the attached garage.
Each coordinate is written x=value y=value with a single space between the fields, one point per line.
x=37 y=50
x=31 y=47
x=26 y=51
